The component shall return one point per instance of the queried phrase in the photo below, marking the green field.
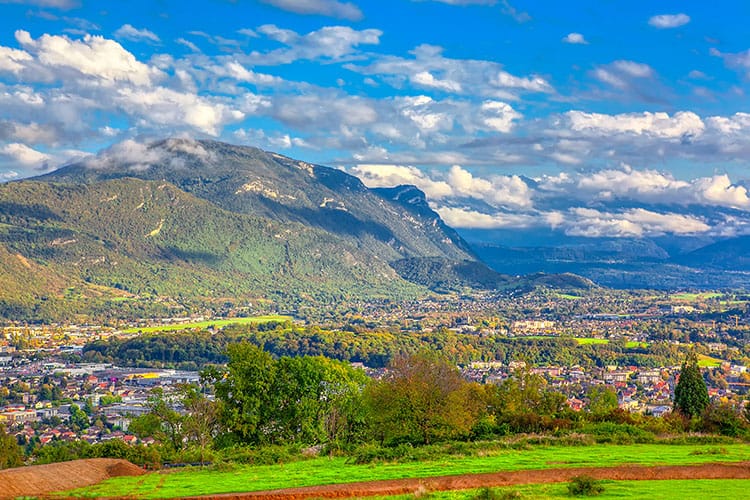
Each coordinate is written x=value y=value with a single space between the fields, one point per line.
x=708 y=362
x=590 y=341
x=696 y=489
x=216 y=323
x=336 y=470
x=695 y=297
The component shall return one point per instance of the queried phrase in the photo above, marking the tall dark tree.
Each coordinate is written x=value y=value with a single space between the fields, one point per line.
x=691 y=394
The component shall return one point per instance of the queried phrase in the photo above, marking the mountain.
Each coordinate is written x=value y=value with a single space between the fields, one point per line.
x=732 y=254
x=159 y=227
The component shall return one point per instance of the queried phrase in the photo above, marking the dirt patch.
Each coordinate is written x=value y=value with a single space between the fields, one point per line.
x=444 y=483
x=43 y=479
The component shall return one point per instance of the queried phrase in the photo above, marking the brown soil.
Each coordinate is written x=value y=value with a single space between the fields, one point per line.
x=405 y=486
x=42 y=479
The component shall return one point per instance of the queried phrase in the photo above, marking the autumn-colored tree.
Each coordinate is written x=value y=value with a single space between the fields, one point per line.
x=422 y=399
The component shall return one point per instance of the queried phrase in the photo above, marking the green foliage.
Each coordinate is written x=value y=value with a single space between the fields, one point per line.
x=602 y=400
x=610 y=432
x=691 y=394
x=11 y=455
x=78 y=418
x=374 y=348
x=306 y=399
x=422 y=399
x=584 y=486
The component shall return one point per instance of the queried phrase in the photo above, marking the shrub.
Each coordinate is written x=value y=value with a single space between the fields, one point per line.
x=584 y=486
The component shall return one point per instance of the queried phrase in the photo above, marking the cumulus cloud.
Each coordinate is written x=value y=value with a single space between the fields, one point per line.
x=471 y=219
x=163 y=106
x=665 y=21
x=373 y=175
x=656 y=124
x=575 y=39
x=92 y=56
x=128 y=32
x=13 y=60
x=633 y=223
x=24 y=155
x=331 y=8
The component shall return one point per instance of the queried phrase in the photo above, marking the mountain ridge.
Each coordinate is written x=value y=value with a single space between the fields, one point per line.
x=183 y=222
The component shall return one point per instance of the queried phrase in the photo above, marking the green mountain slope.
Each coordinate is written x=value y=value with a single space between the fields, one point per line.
x=135 y=238
x=175 y=224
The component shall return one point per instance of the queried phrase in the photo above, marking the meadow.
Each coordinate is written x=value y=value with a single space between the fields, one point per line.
x=233 y=478
x=696 y=489
x=202 y=325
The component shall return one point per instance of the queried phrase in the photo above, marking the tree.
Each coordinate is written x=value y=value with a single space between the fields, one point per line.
x=244 y=392
x=201 y=424
x=78 y=418
x=10 y=453
x=423 y=398
x=602 y=400
x=691 y=394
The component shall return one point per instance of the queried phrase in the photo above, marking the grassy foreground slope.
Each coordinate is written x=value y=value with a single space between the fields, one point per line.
x=324 y=470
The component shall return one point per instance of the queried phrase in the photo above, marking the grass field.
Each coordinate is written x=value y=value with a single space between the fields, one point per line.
x=708 y=362
x=217 y=323
x=590 y=341
x=336 y=470
x=698 y=489
x=695 y=297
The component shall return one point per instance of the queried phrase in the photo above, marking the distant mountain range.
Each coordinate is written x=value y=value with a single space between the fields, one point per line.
x=181 y=222
x=667 y=262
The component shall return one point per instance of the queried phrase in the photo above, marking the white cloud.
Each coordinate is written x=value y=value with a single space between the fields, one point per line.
x=664 y=21
x=635 y=222
x=93 y=56
x=187 y=43
x=13 y=60
x=331 y=8
x=472 y=219
x=163 y=106
x=374 y=175
x=329 y=42
x=426 y=79
x=498 y=191
x=429 y=68
x=24 y=156
x=8 y=175
x=235 y=70
x=654 y=124
x=129 y=32
x=575 y=39
x=499 y=116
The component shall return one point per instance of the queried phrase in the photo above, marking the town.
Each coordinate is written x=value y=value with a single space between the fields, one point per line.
x=51 y=392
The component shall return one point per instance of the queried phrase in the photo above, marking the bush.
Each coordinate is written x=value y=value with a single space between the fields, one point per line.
x=607 y=432
x=584 y=486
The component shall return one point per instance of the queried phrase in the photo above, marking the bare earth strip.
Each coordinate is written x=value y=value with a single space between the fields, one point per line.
x=469 y=481
x=43 y=479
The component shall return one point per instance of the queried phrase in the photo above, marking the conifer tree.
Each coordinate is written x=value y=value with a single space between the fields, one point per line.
x=691 y=394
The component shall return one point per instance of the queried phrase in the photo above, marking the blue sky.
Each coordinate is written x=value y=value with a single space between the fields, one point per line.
x=601 y=100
